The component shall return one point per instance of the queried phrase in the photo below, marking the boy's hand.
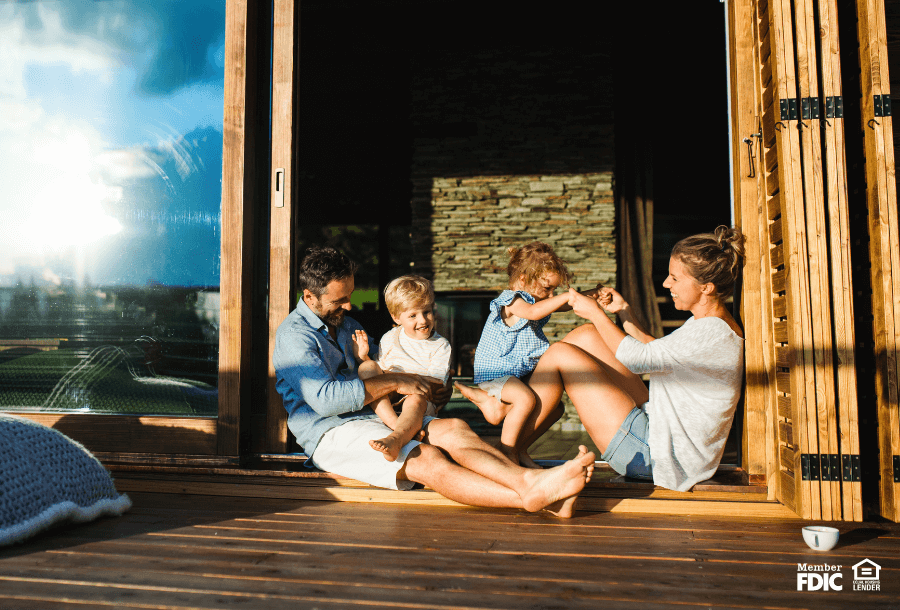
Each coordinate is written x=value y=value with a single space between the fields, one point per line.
x=361 y=346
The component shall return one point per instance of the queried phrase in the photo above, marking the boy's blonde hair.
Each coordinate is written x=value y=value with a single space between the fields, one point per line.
x=533 y=261
x=408 y=291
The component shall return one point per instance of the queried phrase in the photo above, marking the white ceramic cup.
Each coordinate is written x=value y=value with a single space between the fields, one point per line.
x=820 y=538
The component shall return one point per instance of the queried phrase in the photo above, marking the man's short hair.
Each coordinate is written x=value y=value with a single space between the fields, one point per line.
x=406 y=292
x=322 y=265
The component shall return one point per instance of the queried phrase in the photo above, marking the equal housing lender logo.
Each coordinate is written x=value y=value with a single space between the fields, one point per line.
x=827 y=577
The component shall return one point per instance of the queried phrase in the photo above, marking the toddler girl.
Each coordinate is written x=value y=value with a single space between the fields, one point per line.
x=513 y=341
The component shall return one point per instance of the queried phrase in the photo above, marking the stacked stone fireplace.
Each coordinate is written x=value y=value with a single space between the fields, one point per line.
x=462 y=228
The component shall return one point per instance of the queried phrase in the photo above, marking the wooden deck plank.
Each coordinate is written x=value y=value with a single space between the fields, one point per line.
x=181 y=551
x=724 y=495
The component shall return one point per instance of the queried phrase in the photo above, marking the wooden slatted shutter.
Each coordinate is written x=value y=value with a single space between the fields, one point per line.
x=839 y=249
x=801 y=369
x=884 y=243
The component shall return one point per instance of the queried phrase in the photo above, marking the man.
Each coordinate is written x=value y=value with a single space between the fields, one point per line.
x=327 y=410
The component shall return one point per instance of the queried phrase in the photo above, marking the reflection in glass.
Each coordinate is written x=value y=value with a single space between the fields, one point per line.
x=110 y=197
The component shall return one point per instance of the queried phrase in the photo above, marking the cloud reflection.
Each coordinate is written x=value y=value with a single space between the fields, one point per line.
x=109 y=113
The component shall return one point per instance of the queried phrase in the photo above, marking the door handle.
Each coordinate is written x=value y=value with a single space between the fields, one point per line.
x=278 y=198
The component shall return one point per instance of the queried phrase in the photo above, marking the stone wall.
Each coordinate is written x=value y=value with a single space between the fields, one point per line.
x=462 y=228
x=512 y=145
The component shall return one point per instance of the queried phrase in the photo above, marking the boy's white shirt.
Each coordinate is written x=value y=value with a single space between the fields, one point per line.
x=400 y=353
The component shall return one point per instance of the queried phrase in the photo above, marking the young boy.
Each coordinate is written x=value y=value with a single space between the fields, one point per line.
x=410 y=347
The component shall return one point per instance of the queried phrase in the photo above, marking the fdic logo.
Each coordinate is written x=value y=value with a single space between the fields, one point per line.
x=825 y=577
x=812 y=577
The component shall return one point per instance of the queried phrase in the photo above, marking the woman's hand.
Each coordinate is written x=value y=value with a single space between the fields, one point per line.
x=583 y=306
x=612 y=301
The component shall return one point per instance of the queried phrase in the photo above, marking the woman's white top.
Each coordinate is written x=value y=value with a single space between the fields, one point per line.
x=695 y=383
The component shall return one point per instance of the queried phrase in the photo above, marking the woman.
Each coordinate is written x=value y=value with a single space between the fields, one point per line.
x=674 y=433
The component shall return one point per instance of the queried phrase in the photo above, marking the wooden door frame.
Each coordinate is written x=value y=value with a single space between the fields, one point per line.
x=282 y=220
x=757 y=456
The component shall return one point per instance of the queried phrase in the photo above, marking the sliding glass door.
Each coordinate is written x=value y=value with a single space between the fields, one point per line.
x=114 y=218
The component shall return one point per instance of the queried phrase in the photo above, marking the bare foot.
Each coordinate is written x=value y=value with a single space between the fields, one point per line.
x=492 y=408
x=390 y=446
x=557 y=488
x=564 y=509
x=525 y=461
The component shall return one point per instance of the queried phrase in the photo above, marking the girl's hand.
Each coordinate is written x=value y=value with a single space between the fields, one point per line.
x=583 y=306
x=612 y=301
x=604 y=297
x=360 y=346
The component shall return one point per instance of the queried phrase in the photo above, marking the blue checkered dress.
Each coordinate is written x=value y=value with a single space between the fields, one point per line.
x=509 y=350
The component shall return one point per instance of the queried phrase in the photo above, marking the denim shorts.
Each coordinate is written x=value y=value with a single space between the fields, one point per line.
x=628 y=452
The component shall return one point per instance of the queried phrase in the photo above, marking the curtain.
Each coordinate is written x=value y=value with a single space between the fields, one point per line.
x=634 y=244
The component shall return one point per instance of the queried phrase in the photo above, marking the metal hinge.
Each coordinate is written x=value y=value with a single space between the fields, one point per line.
x=828 y=467
x=834 y=107
x=851 y=468
x=831 y=467
x=809 y=466
x=809 y=108
x=882 y=105
x=897 y=469
x=789 y=109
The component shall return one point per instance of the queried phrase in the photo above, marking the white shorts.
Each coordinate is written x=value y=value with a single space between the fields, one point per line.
x=345 y=450
x=494 y=386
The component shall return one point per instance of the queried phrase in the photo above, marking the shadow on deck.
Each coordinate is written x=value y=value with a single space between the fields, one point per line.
x=179 y=550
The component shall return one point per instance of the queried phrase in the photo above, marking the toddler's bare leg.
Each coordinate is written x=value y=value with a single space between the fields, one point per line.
x=406 y=426
x=522 y=402
x=493 y=409
x=385 y=410
x=368 y=369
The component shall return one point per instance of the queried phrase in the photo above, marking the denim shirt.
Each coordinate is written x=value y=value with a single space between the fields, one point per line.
x=316 y=376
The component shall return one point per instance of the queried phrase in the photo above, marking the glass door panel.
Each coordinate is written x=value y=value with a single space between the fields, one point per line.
x=110 y=206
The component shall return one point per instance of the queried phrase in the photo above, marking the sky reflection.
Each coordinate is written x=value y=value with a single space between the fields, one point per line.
x=110 y=131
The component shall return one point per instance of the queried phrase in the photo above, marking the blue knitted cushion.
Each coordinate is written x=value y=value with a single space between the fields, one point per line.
x=47 y=478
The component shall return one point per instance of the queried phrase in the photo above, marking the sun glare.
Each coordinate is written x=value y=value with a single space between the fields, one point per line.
x=69 y=212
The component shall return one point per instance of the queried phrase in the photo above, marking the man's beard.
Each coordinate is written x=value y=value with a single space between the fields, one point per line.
x=335 y=318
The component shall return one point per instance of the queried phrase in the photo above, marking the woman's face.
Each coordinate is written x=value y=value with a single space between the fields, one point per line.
x=686 y=291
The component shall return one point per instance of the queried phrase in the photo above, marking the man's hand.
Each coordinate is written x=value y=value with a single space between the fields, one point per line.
x=441 y=396
x=411 y=384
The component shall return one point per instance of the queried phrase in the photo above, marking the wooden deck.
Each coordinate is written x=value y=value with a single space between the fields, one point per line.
x=179 y=551
x=726 y=495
